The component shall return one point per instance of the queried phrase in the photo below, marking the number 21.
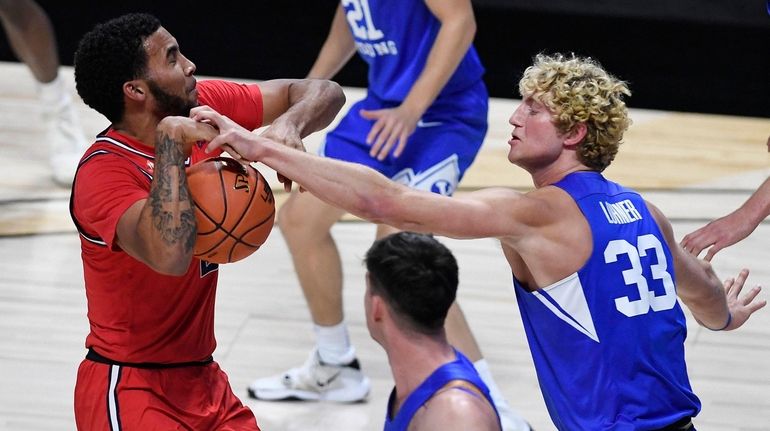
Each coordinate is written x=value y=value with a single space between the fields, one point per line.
x=633 y=276
x=360 y=10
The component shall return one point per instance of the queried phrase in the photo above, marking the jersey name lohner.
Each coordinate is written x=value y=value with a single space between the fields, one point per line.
x=620 y=212
x=370 y=41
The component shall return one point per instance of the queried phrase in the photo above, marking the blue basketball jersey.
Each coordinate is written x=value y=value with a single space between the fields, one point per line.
x=608 y=341
x=394 y=38
x=459 y=369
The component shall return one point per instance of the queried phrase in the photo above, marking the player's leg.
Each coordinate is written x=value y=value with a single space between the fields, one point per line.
x=459 y=334
x=305 y=222
x=31 y=37
x=332 y=371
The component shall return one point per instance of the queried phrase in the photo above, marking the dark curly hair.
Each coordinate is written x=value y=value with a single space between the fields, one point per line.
x=417 y=276
x=108 y=56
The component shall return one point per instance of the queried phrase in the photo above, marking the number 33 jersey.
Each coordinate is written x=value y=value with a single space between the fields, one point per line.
x=608 y=341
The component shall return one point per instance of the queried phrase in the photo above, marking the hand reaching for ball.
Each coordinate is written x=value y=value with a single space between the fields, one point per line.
x=240 y=143
x=232 y=137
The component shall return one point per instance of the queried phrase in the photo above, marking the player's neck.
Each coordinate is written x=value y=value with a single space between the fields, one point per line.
x=140 y=126
x=554 y=172
x=415 y=358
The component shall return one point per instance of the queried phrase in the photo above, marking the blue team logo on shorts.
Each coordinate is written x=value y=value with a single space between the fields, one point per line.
x=442 y=187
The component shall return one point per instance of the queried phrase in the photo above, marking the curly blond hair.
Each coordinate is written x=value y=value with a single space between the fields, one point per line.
x=578 y=90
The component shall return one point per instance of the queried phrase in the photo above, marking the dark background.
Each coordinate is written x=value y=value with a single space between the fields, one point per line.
x=709 y=56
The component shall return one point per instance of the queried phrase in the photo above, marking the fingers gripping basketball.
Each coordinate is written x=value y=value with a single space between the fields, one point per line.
x=234 y=208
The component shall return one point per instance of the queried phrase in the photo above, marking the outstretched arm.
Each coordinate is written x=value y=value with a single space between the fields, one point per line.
x=161 y=230
x=297 y=108
x=370 y=195
x=715 y=305
x=728 y=230
x=393 y=126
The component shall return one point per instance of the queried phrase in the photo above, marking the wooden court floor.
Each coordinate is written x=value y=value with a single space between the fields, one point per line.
x=695 y=167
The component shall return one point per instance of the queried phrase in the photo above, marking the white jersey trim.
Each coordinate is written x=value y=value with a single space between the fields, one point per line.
x=132 y=149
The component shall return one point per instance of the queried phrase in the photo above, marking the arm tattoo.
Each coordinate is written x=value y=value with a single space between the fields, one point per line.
x=173 y=216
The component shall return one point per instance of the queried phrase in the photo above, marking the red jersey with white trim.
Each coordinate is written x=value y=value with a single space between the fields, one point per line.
x=137 y=315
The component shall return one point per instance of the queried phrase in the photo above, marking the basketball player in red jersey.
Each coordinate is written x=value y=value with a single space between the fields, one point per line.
x=150 y=303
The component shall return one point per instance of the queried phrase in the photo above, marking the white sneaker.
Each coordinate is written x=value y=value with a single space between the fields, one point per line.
x=314 y=381
x=66 y=142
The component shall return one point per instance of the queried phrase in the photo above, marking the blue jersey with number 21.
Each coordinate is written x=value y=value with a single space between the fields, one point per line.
x=394 y=38
x=608 y=341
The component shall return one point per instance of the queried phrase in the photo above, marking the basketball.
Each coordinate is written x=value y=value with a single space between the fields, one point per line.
x=234 y=208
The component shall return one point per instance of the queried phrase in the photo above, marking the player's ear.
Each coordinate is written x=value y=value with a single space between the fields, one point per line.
x=135 y=90
x=576 y=135
x=378 y=308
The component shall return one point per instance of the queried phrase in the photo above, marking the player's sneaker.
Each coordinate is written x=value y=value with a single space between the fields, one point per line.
x=314 y=381
x=66 y=142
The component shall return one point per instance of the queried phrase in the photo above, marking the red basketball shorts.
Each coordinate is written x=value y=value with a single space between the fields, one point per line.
x=113 y=397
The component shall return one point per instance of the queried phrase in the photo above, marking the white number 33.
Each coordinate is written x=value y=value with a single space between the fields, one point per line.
x=633 y=276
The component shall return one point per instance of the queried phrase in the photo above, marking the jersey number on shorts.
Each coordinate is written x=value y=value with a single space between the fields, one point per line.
x=633 y=276
x=360 y=10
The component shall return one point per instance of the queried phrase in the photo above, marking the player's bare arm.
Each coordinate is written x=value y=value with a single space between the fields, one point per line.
x=728 y=230
x=714 y=304
x=336 y=50
x=393 y=126
x=161 y=230
x=370 y=195
x=297 y=108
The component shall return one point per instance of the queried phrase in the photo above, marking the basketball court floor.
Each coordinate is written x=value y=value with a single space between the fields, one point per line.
x=695 y=167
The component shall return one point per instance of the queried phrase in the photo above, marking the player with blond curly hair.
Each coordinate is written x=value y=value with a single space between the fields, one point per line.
x=596 y=268
x=580 y=91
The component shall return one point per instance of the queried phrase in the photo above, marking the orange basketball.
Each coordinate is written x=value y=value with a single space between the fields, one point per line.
x=234 y=207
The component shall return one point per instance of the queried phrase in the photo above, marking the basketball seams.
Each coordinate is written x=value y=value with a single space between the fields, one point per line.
x=269 y=218
x=256 y=177
x=224 y=190
x=235 y=225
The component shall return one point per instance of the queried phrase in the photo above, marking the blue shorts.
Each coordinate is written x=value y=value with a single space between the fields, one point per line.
x=437 y=154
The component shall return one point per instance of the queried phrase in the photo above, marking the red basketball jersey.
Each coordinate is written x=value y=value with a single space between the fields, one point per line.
x=137 y=315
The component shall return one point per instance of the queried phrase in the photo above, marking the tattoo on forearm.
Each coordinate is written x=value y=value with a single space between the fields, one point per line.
x=173 y=216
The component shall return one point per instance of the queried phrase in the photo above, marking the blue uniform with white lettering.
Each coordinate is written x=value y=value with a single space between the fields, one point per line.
x=608 y=341
x=459 y=369
x=395 y=38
